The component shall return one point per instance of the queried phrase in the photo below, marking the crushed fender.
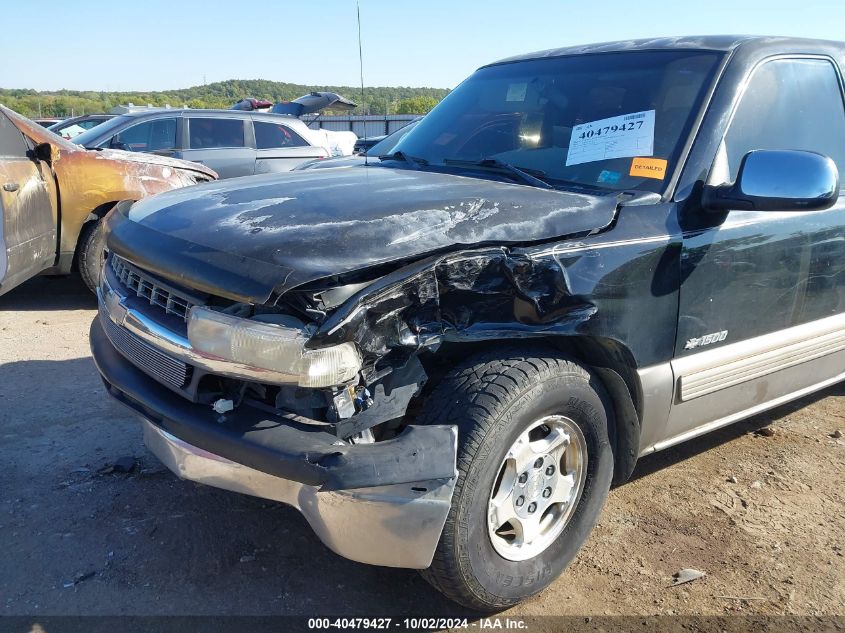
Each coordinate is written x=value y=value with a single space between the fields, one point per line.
x=474 y=295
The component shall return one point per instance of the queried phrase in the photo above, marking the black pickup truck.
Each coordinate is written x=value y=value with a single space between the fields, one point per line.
x=444 y=358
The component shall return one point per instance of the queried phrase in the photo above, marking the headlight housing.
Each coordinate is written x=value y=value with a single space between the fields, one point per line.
x=274 y=348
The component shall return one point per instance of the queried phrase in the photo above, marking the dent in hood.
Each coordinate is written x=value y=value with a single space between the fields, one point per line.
x=277 y=232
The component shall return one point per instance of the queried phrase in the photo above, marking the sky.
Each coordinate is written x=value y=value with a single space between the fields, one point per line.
x=131 y=45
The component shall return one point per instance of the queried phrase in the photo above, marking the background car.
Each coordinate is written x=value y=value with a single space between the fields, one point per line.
x=312 y=103
x=363 y=144
x=251 y=104
x=232 y=142
x=74 y=126
x=381 y=147
x=54 y=194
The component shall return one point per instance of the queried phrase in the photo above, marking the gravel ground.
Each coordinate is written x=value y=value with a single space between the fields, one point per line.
x=757 y=506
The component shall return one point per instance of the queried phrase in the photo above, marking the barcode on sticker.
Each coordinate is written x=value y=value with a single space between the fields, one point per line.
x=631 y=117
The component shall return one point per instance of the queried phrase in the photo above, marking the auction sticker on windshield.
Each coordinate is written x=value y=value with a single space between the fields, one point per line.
x=516 y=92
x=623 y=136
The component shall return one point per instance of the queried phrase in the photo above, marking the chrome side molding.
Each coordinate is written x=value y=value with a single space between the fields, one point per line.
x=716 y=369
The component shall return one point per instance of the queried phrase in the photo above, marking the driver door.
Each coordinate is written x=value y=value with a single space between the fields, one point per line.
x=28 y=229
x=762 y=301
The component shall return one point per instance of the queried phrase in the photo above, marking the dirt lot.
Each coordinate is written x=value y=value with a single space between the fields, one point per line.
x=761 y=514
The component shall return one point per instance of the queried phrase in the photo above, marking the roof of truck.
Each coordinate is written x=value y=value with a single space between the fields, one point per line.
x=690 y=42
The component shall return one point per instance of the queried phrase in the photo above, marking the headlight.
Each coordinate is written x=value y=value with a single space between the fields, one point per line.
x=272 y=347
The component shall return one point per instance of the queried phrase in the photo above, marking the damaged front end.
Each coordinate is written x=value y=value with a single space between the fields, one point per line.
x=407 y=314
x=260 y=369
x=231 y=396
x=231 y=355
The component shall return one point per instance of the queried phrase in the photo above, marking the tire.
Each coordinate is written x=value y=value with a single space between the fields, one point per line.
x=494 y=398
x=92 y=246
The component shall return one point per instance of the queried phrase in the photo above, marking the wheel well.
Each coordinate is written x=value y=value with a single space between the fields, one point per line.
x=95 y=215
x=610 y=361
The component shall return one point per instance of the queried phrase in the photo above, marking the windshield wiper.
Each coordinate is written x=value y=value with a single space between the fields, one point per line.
x=524 y=174
x=400 y=155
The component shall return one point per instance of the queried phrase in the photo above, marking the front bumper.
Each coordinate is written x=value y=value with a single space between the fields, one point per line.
x=392 y=526
x=382 y=503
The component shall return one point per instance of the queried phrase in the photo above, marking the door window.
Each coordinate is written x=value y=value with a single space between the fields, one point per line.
x=272 y=135
x=209 y=133
x=12 y=142
x=789 y=104
x=150 y=136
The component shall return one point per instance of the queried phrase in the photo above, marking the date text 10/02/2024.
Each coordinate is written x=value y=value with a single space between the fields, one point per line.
x=416 y=623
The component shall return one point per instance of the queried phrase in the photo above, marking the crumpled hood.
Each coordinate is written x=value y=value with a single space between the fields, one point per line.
x=151 y=159
x=246 y=237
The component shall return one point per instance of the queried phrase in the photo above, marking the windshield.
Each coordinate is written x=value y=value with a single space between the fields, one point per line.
x=94 y=136
x=612 y=121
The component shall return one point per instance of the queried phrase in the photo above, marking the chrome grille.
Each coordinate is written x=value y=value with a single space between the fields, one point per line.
x=146 y=286
x=154 y=362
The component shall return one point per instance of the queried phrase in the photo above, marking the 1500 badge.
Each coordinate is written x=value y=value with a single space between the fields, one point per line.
x=716 y=337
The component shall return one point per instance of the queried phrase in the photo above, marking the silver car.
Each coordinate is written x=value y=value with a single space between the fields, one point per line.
x=231 y=142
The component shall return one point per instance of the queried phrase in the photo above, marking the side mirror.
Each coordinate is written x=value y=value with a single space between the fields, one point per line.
x=778 y=180
x=43 y=152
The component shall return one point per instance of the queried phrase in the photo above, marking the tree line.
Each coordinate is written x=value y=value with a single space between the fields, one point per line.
x=221 y=94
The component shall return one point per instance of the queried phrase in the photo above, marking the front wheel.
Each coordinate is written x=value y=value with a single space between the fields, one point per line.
x=92 y=247
x=534 y=465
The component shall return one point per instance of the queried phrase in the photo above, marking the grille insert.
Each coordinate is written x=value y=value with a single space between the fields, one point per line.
x=154 y=362
x=148 y=287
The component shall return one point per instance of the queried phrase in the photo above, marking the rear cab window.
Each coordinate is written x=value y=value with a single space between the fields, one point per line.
x=209 y=133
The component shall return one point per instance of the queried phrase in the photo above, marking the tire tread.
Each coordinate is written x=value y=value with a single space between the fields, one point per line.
x=489 y=381
x=87 y=240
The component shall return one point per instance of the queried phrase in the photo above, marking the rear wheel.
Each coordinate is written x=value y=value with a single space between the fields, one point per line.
x=92 y=246
x=535 y=467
